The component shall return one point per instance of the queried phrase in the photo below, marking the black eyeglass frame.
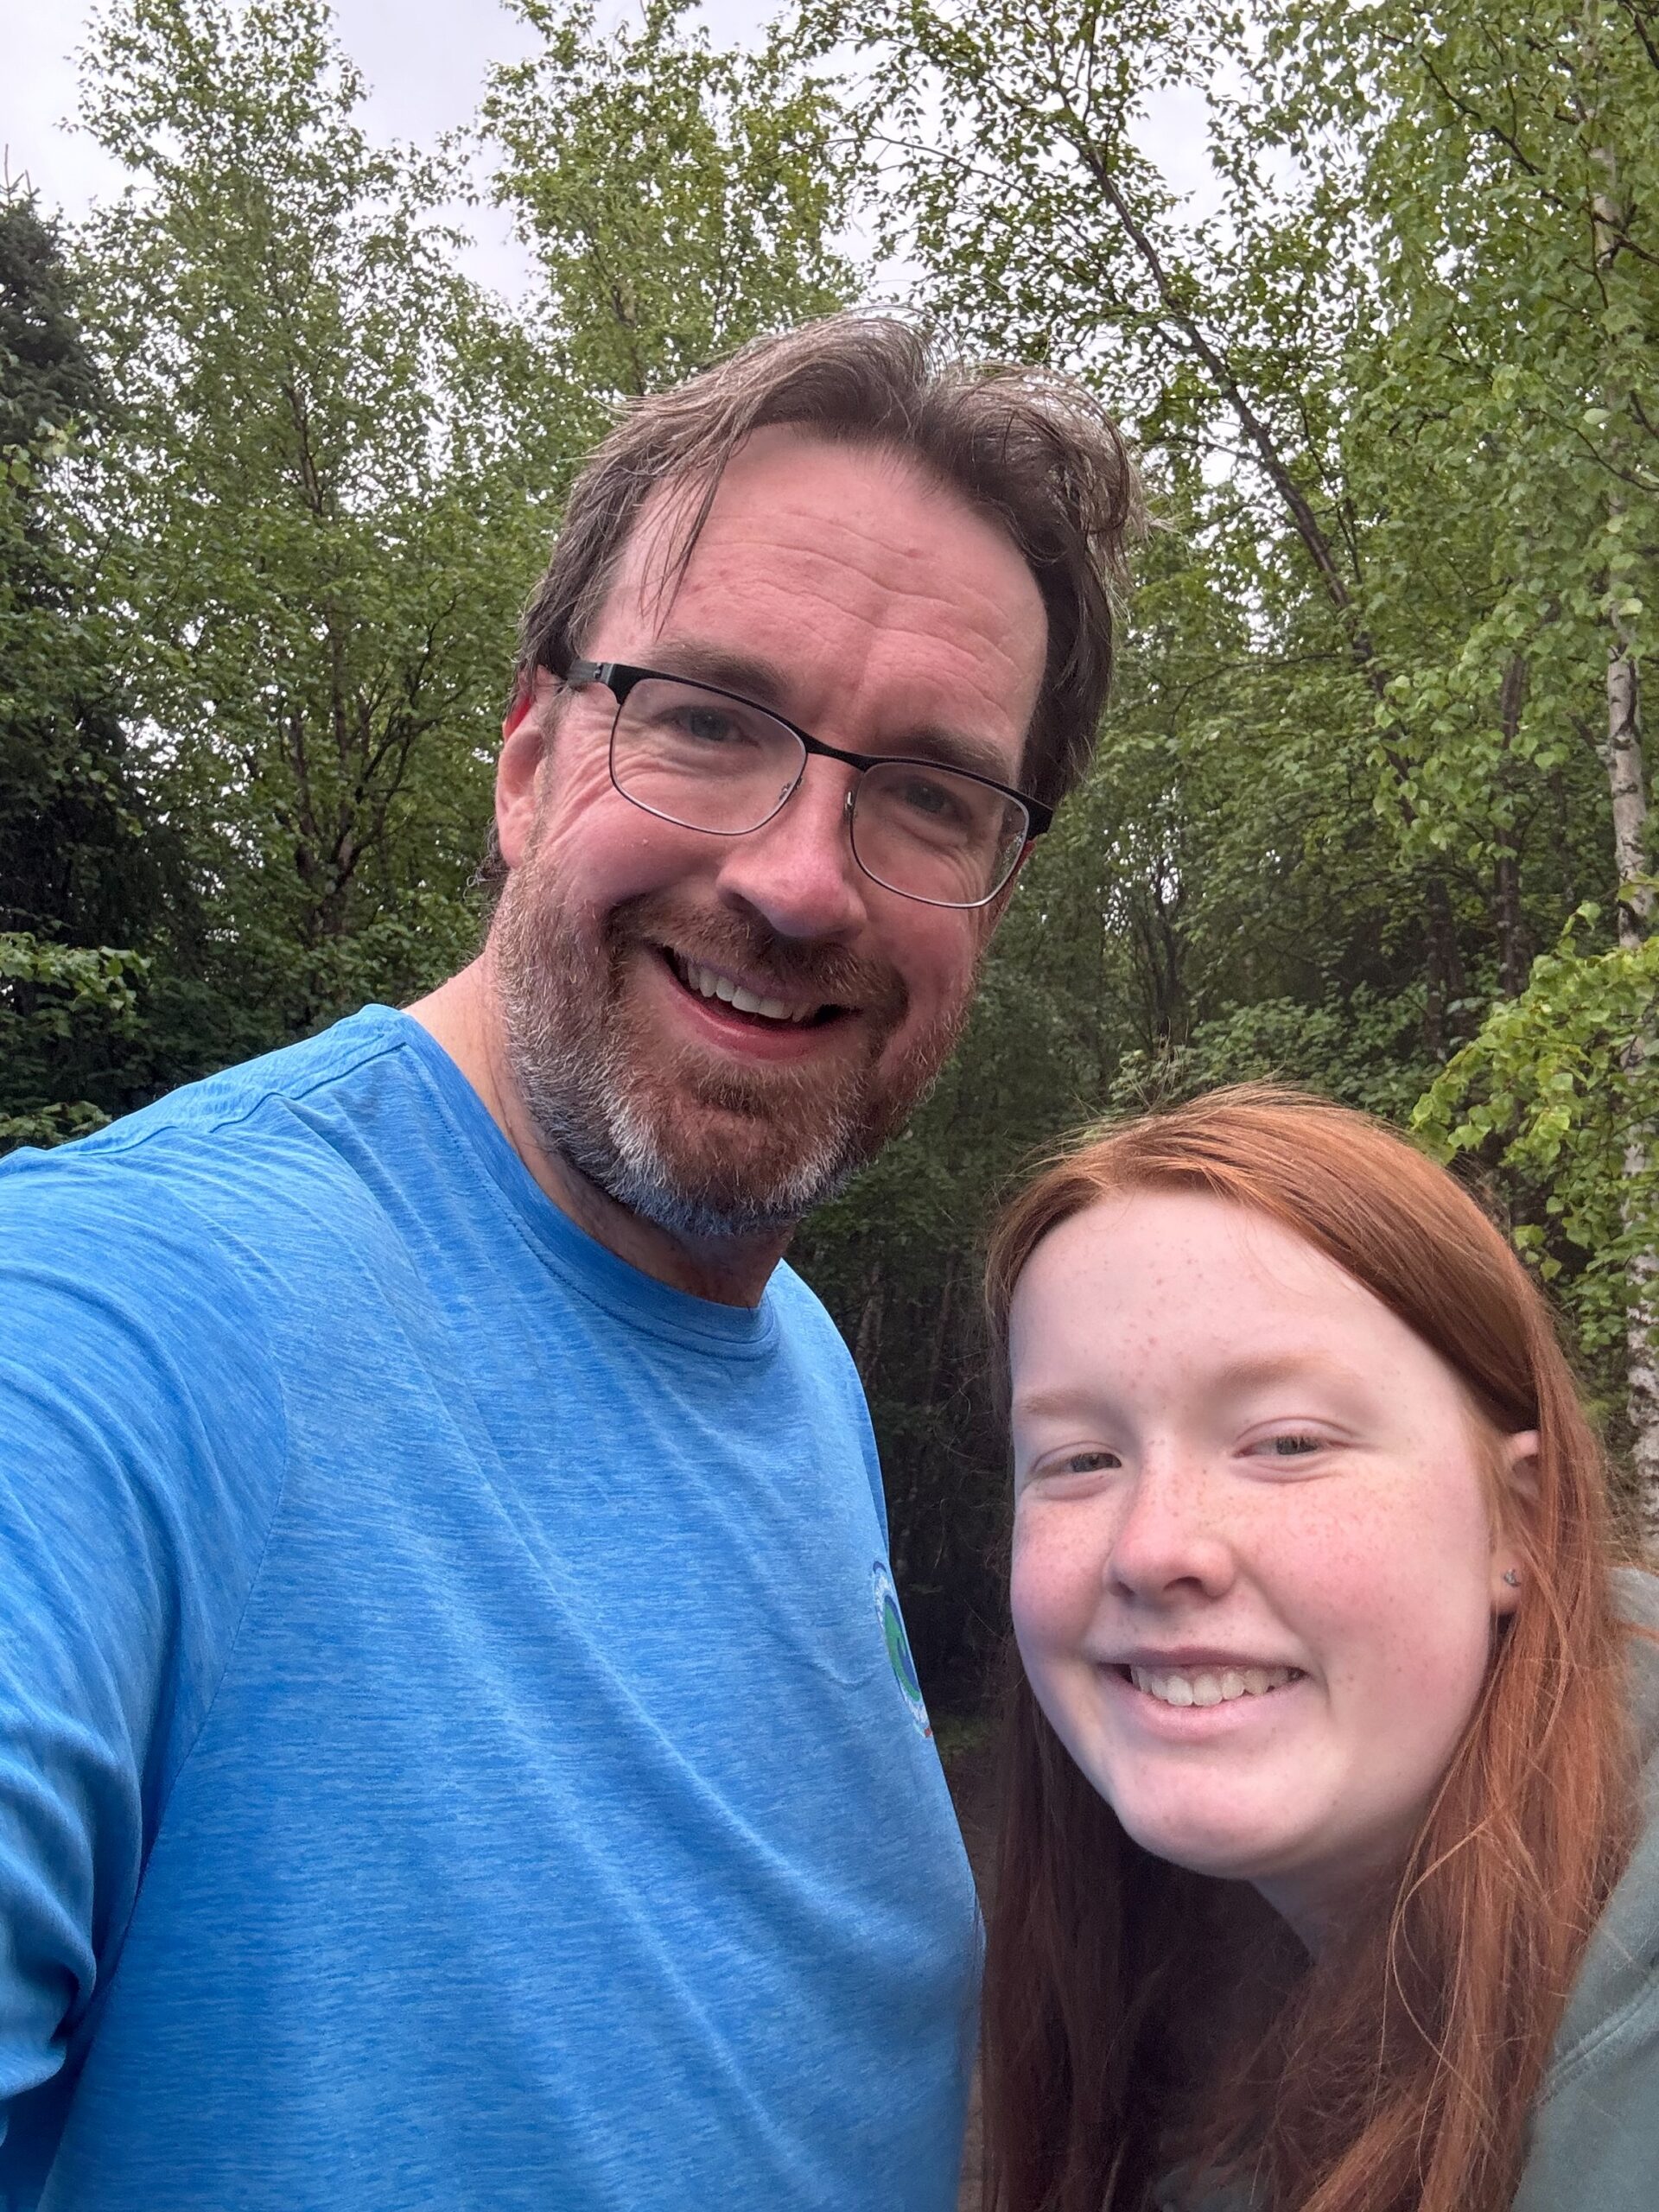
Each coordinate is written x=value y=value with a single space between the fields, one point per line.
x=618 y=678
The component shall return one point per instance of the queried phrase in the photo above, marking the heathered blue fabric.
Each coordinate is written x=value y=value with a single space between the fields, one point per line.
x=449 y=1752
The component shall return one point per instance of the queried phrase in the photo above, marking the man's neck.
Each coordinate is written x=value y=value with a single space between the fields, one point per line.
x=462 y=1015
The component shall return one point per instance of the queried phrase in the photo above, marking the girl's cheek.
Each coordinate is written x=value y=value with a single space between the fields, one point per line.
x=1052 y=1583
x=1027 y=1584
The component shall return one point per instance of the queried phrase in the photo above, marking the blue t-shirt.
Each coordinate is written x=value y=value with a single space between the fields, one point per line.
x=457 y=1743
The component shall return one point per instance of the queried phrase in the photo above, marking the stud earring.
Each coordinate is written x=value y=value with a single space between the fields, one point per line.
x=1512 y=1576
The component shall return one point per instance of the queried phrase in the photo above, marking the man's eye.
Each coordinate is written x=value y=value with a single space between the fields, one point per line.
x=706 y=725
x=917 y=805
x=925 y=798
x=1298 y=1444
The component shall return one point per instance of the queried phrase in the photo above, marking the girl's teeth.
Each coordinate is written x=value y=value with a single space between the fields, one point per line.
x=1207 y=1686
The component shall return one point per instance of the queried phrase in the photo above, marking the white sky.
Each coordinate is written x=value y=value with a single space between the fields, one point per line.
x=424 y=61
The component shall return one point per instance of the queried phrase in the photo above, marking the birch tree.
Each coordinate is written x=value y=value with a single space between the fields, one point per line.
x=1512 y=160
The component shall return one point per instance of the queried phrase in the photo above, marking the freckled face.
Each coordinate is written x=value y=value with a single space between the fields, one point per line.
x=1254 y=1575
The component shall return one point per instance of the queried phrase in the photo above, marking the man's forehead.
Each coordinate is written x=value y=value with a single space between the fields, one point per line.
x=766 y=458
x=883 y=594
x=781 y=474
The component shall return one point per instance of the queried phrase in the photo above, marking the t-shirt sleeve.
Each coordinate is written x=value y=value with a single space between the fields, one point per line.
x=141 y=1458
x=835 y=1365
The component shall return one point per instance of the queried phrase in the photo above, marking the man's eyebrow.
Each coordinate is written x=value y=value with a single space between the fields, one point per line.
x=764 y=682
x=724 y=666
x=949 y=748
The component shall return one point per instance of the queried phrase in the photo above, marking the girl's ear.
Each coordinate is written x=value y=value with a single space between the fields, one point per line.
x=1518 y=1495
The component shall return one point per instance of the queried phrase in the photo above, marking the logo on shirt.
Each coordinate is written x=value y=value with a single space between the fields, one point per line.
x=898 y=1643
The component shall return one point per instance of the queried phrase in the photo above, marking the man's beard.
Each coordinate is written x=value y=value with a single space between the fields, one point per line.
x=699 y=1149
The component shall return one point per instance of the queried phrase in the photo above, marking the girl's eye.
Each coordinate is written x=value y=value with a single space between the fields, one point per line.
x=1080 y=1463
x=1298 y=1444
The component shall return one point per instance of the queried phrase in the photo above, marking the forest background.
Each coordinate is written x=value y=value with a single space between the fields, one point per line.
x=1369 y=812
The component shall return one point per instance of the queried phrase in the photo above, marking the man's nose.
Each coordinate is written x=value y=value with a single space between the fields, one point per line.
x=797 y=871
x=1170 y=1539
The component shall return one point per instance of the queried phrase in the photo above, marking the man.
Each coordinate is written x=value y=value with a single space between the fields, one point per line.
x=456 y=1739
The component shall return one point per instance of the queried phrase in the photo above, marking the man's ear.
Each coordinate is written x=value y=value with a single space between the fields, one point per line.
x=523 y=740
x=1518 y=1496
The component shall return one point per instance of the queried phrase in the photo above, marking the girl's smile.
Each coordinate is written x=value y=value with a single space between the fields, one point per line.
x=1256 y=1573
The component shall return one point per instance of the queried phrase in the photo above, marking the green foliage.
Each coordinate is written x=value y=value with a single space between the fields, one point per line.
x=1394 y=387
x=277 y=477
x=1363 y=1050
x=338 y=464
x=318 y=515
x=50 y=376
x=679 y=199
x=281 y=478
x=1558 y=1092
x=61 y=1008
x=81 y=869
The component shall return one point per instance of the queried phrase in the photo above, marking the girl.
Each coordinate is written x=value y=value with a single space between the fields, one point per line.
x=1325 y=1884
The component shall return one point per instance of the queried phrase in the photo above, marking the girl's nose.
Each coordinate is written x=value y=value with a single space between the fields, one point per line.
x=1169 y=1538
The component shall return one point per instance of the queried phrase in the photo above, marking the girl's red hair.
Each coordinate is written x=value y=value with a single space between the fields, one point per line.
x=1137 y=2017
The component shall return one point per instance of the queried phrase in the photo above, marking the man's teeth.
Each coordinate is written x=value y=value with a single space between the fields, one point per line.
x=713 y=985
x=1212 y=1685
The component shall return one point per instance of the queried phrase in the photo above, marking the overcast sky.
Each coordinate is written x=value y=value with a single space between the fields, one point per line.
x=424 y=62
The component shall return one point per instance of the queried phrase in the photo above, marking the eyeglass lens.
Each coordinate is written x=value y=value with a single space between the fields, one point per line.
x=708 y=762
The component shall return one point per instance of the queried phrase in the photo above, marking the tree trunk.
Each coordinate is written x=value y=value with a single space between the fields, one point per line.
x=1624 y=783
x=941 y=1331
x=1635 y=917
x=867 y=1344
x=1446 y=1006
x=1641 y=1351
x=1511 y=926
x=1626 y=788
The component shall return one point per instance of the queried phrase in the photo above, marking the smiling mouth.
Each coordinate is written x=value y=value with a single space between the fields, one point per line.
x=1208 y=1685
x=737 y=998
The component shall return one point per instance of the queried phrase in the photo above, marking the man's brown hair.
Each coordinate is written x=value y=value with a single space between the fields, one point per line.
x=1033 y=451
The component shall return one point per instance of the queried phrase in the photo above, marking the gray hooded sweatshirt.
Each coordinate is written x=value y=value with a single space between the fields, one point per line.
x=1593 y=2146
x=1595 y=2128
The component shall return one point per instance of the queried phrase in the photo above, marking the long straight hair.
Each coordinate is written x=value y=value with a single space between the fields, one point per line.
x=1139 y=2018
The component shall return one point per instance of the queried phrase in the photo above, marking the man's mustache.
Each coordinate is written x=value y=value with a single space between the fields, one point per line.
x=720 y=937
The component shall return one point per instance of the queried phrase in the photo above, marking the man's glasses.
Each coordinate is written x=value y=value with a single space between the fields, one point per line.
x=707 y=759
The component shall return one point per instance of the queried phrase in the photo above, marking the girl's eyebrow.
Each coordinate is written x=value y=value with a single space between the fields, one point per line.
x=1251 y=1372
x=1313 y=1365
x=1059 y=1404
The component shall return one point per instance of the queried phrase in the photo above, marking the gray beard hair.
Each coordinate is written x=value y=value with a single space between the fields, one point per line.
x=576 y=1080
x=579 y=1107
